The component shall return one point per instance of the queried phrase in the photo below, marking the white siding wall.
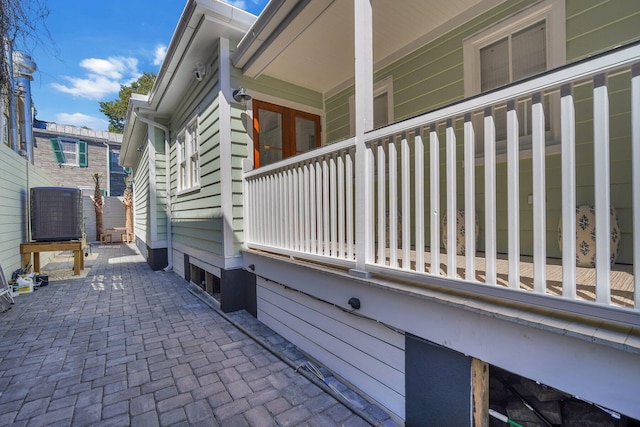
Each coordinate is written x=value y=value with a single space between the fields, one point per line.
x=16 y=177
x=365 y=353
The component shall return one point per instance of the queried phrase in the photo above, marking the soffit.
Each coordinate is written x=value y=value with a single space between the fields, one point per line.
x=316 y=50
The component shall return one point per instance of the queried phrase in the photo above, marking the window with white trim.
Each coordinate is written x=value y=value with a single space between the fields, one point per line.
x=69 y=152
x=188 y=157
x=527 y=43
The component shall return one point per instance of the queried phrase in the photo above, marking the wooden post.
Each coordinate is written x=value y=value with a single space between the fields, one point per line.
x=480 y=391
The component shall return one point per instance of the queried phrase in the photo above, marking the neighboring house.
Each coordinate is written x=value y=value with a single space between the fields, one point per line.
x=313 y=165
x=71 y=155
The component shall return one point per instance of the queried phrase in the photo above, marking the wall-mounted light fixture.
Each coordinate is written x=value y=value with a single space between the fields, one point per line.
x=200 y=71
x=140 y=148
x=241 y=96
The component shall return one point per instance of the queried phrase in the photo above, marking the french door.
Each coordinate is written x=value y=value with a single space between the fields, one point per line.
x=280 y=132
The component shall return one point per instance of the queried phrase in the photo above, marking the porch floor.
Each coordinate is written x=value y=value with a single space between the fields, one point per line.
x=621 y=276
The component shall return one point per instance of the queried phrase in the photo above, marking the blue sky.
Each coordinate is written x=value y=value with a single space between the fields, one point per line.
x=97 y=46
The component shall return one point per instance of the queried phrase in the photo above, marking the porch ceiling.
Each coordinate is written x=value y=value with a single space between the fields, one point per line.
x=313 y=46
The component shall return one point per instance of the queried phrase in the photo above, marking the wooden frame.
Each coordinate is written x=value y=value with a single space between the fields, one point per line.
x=26 y=249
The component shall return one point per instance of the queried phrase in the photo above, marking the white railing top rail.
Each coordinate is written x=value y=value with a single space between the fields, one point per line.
x=302 y=158
x=618 y=58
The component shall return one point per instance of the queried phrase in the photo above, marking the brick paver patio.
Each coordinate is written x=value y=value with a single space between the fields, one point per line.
x=124 y=345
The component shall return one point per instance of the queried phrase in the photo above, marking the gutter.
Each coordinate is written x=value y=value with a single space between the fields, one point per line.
x=167 y=177
x=108 y=168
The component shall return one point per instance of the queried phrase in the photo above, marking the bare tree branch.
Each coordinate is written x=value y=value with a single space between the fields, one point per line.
x=22 y=27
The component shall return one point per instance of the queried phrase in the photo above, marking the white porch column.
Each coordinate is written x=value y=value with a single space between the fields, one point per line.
x=363 y=69
x=226 y=178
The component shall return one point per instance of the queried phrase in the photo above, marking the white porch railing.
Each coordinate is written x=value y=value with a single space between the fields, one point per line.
x=305 y=206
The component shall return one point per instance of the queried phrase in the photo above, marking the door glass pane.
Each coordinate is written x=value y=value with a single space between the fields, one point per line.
x=305 y=134
x=270 y=136
x=494 y=65
x=380 y=110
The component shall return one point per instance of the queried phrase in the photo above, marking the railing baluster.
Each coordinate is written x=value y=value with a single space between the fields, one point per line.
x=539 y=196
x=301 y=196
x=313 y=248
x=451 y=199
x=635 y=167
x=319 y=206
x=349 y=195
x=490 y=249
x=568 y=120
x=601 y=187
x=393 y=204
x=282 y=224
x=406 y=201
x=419 y=200
x=291 y=209
x=269 y=209
x=264 y=212
x=513 y=194
x=333 y=205
x=434 y=211
x=469 y=198
x=296 y=210
x=341 y=217
x=325 y=206
x=267 y=212
x=370 y=226
x=307 y=213
x=255 y=229
x=382 y=204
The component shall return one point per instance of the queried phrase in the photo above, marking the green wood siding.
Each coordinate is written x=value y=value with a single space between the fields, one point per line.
x=197 y=216
x=596 y=25
x=141 y=199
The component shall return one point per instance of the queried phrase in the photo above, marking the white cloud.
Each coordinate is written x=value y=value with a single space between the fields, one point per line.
x=103 y=77
x=80 y=120
x=103 y=67
x=159 y=54
x=94 y=87
x=240 y=4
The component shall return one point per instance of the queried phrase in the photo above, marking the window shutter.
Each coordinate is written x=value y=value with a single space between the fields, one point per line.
x=82 y=154
x=57 y=151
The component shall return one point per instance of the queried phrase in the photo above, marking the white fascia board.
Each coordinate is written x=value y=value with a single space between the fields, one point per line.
x=126 y=151
x=236 y=18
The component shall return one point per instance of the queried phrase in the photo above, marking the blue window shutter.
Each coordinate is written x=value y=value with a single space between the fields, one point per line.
x=83 y=161
x=57 y=151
